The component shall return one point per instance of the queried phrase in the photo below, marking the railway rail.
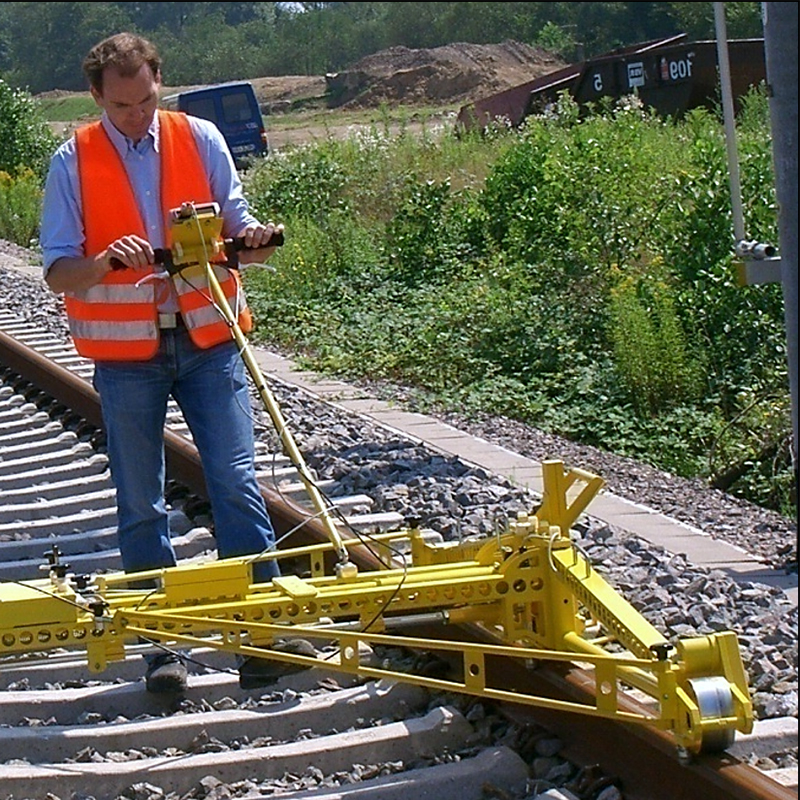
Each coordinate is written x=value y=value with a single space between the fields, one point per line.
x=107 y=738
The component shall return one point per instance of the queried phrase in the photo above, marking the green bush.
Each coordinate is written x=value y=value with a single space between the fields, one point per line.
x=650 y=348
x=576 y=275
x=26 y=144
x=26 y=141
x=20 y=206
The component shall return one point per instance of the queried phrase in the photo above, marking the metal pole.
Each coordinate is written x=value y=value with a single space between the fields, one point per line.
x=730 y=125
x=780 y=49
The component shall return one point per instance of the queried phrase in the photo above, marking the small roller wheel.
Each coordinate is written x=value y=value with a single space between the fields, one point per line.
x=715 y=700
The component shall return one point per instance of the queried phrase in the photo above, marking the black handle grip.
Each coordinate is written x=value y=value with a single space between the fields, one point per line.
x=163 y=255
x=160 y=256
x=276 y=240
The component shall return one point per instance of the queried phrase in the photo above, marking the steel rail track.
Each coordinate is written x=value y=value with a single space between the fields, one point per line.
x=644 y=760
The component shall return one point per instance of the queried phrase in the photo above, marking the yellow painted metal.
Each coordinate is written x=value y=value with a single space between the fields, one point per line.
x=530 y=588
x=605 y=605
x=472 y=678
x=570 y=493
x=196 y=234
x=191 y=584
x=36 y=603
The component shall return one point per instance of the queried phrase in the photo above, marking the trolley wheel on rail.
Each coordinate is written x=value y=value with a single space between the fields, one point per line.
x=715 y=700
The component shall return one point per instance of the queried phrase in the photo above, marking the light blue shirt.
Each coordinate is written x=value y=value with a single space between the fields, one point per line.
x=62 y=232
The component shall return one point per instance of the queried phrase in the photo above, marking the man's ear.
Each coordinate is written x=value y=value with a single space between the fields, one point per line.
x=96 y=96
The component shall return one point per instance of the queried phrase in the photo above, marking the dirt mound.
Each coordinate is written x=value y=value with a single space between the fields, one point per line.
x=454 y=73
x=443 y=76
x=448 y=75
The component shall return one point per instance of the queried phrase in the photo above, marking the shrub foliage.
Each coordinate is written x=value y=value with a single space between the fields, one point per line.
x=583 y=282
x=576 y=274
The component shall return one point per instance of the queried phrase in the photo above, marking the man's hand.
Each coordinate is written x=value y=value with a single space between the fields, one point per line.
x=130 y=251
x=79 y=274
x=256 y=239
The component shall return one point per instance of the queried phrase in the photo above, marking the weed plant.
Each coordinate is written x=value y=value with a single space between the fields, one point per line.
x=26 y=144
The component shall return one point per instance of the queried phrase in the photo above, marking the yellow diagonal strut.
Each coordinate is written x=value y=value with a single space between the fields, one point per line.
x=531 y=590
x=196 y=233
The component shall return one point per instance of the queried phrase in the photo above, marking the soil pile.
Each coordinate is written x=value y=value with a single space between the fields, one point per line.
x=454 y=73
x=443 y=76
x=439 y=76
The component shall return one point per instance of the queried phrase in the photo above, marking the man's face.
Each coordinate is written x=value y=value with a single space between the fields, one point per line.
x=130 y=103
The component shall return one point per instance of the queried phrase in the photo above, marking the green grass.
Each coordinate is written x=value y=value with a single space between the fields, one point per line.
x=305 y=113
x=68 y=108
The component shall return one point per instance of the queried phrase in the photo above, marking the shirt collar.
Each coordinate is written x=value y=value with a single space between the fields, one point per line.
x=122 y=143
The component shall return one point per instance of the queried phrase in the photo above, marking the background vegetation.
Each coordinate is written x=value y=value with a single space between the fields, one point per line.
x=42 y=44
x=575 y=274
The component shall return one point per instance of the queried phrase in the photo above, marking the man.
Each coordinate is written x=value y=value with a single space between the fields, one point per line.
x=106 y=205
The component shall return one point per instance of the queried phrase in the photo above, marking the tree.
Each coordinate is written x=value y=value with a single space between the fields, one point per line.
x=42 y=44
x=48 y=41
x=743 y=20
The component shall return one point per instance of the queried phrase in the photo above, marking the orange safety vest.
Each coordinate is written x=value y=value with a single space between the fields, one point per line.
x=116 y=320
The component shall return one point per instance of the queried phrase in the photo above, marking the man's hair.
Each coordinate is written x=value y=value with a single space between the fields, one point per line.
x=124 y=52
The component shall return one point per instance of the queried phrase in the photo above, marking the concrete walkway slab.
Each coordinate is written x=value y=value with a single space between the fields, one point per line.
x=673 y=535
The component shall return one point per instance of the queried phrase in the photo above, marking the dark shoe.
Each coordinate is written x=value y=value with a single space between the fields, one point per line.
x=255 y=673
x=166 y=674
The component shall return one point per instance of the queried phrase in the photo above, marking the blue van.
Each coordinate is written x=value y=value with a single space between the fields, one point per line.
x=235 y=111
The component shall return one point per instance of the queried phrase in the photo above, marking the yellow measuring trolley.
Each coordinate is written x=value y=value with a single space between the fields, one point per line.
x=529 y=591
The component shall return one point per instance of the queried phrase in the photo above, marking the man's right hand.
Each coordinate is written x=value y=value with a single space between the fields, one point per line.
x=129 y=251
x=79 y=274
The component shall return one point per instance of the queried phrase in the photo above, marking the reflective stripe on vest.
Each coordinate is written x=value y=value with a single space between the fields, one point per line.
x=115 y=320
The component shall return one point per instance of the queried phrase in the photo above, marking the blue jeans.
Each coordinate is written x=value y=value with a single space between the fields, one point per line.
x=210 y=387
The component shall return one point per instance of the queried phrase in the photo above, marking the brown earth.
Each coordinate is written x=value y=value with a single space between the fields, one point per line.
x=447 y=75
